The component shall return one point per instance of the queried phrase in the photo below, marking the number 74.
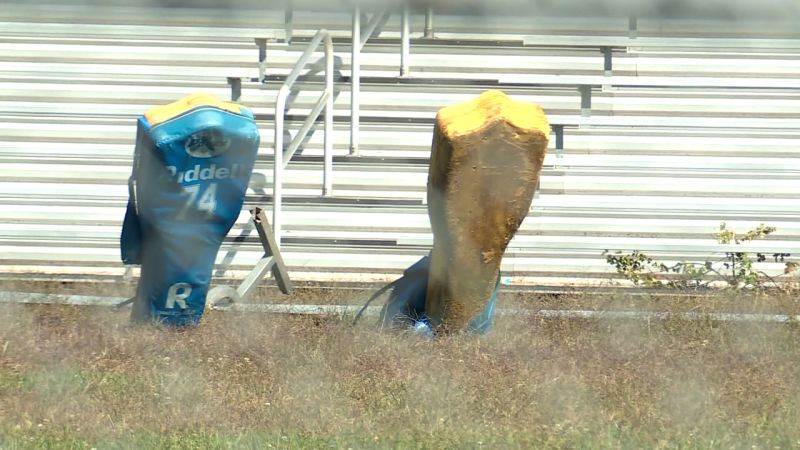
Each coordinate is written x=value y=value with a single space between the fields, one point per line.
x=206 y=202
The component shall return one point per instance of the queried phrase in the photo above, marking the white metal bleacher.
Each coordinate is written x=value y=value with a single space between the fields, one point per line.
x=674 y=144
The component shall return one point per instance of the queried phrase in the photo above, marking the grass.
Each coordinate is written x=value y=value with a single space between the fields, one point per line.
x=83 y=378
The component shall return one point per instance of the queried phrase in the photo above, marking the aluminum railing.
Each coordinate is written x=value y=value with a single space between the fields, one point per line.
x=283 y=156
x=360 y=37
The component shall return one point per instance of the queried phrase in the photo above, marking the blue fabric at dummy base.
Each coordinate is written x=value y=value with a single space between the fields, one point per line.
x=190 y=176
x=406 y=304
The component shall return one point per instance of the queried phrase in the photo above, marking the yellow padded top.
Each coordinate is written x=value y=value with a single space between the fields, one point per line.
x=163 y=113
x=490 y=106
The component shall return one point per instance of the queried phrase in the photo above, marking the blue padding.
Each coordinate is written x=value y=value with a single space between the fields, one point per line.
x=406 y=304
x=190 y=178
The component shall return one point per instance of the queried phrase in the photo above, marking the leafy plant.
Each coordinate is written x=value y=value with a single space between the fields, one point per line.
x=736 y=269
x=637 y=267
x=739 y=265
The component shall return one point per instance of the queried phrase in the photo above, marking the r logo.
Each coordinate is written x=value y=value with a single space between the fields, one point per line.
x=178 y=293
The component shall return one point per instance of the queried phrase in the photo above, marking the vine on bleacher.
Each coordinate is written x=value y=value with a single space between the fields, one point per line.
x=734 y=271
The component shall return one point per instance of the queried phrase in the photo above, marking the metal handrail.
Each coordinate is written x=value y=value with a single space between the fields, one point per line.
x=283 y=156
x=360 y=36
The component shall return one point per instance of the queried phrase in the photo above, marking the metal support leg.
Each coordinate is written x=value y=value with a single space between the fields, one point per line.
x=429 y=33
x=633 y=27
x=272 y=261
x=236 y=88
x=559 y=130
x=355 y=80
x=288 y=20
x=405 y=43
x=262 y=59
x=607 y=62
x=372 y=28
x=271 y=251
x=586 y=100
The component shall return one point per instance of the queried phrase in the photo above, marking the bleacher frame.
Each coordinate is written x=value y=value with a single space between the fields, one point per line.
x=65 y=139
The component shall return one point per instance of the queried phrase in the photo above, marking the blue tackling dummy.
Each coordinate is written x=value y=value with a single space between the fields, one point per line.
x=405 y=308
x=192 y=165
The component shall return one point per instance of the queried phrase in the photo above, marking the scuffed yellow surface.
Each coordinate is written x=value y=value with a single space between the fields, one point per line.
x=163 y=113
x=467 y=117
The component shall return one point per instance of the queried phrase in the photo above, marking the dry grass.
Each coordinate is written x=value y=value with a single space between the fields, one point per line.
x=82 y=378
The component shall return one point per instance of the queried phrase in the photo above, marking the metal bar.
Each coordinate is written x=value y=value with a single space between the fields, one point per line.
x=262 y=59
x=59 y=299
x=607 y=62
x=405 y=43
x=652 y=81
x=652 y=315
x=429 y=33
x=310 y=310
x=327 y=171
x=559 y=130
x=586 y=100
x=288 y=20
x=366 y=31
x=666 y=44
x=355 y=81
x=633 y=27
x=11 y=297
x=542 y=313
x=282 y=155
x=271 y=261
x=307 y=125
x=236 y=88
x=268 y=242
x=371 y=26
x=303 y=60
x=250 y=282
